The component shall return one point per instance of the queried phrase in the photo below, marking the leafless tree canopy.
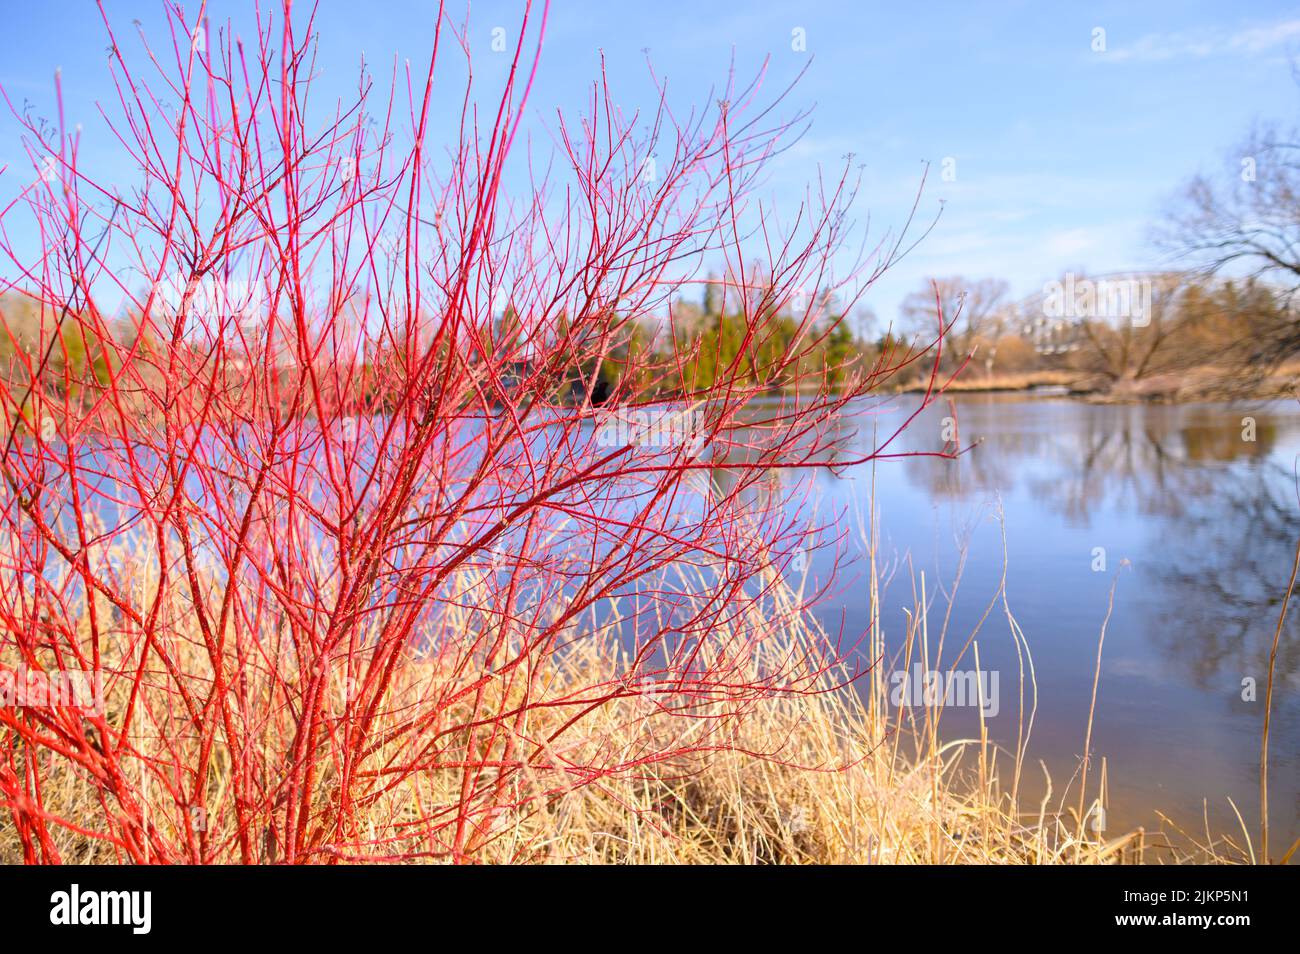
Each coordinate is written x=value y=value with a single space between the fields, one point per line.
x=1244 y=222
x=975 y=308
x=1249 y=220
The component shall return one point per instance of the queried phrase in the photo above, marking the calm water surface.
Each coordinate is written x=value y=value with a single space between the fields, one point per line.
x=1208 y=522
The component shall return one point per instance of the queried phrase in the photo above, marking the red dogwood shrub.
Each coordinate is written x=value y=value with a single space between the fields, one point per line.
x=388 y=426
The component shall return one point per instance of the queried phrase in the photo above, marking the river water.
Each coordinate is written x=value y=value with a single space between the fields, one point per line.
x=1189 y=511
x=1199 y=499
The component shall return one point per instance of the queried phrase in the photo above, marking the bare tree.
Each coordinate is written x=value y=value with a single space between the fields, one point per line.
x=975 y=309
x=1250 y=218
x=1245 y=222
x=1131 y=348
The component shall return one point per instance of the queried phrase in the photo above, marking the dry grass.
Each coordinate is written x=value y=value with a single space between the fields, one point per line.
x=829 y=775
x=972 y=381
x=1205 y=383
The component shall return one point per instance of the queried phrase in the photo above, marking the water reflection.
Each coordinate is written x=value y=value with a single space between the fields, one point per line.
x=1203 y=500
x=1220 y=499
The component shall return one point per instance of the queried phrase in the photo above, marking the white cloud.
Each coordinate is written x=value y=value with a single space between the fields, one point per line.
x=1157 y=47
x=1072 y=242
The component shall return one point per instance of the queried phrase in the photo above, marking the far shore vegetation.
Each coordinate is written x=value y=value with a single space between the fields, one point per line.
x=1201 y=339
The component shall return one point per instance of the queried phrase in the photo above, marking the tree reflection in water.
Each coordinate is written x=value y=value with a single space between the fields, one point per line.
x=1223 y=511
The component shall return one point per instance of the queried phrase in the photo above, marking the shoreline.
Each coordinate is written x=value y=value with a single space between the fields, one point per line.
x=1191 y=388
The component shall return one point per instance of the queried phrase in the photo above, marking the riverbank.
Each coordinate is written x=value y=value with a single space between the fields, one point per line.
x=830 y=774
x=1197 y=384
x=1029 y=382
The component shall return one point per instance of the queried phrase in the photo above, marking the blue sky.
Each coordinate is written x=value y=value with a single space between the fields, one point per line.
x=1064 y=156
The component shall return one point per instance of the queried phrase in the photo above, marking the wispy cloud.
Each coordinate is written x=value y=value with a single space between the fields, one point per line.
x=1219 y=41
